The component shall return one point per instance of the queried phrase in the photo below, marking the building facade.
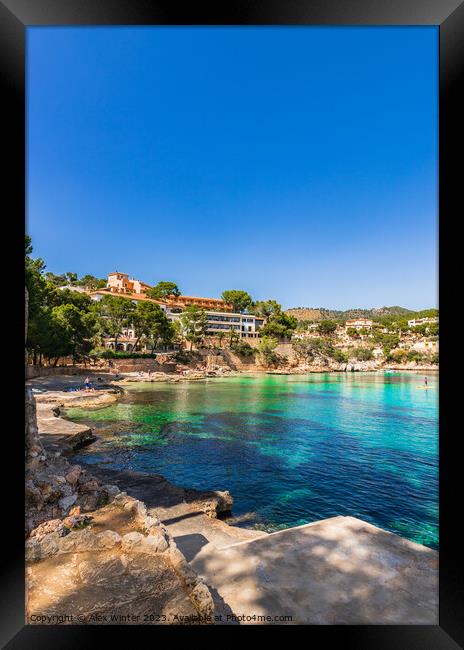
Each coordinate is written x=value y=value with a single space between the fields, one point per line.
x=121 y=283
x=220 y=317
x=421 y=321
x=359 y=324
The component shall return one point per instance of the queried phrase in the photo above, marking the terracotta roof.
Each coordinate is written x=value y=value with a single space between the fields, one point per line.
x=200 y=298
x=131 y=296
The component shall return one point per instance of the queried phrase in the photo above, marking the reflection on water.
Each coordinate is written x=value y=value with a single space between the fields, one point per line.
x=291 y=449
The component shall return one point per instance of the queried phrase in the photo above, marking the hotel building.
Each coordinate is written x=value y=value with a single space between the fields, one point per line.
x=221 y=318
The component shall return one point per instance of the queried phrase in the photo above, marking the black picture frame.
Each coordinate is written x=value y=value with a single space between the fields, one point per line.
x=448 y=15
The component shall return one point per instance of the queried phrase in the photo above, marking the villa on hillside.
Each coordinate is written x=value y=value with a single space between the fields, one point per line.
x=120 y=283
x=359 y=324
x=420 y=321
x=220 y=315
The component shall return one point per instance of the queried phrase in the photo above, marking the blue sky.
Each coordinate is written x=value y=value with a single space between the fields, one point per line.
x=296 y=163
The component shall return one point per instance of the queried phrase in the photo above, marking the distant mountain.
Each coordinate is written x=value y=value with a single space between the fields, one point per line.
x=321 y=313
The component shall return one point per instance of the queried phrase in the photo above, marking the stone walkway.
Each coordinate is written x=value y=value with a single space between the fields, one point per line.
x=337 y=571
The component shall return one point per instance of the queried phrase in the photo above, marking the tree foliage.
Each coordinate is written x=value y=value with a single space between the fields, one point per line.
x=266 y=308
x=326 y=327
x=267 y=350
x=239 y=299
x=280 y=326
x=152 y=325
x=243 y=348
x=362 y=354
x=164 y=290
x=193 y=323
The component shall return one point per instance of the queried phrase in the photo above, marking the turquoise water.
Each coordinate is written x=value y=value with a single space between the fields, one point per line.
x=291 y=449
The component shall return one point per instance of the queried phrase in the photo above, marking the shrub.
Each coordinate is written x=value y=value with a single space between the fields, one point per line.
x=320 y=347
x=267 y=348
x=362 y=354
x=112 y=354
x=399 y=355
x=415 y=356
x=243 y=348
x=327 y=327
x=339 y=356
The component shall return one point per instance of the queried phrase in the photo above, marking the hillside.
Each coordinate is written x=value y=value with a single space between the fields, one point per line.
x=321 y=313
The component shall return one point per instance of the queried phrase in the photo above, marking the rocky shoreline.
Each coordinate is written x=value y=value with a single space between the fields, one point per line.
x=91 y=548
x=106 y=543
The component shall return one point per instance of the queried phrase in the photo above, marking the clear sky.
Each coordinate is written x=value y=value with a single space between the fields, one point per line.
x=297 y=163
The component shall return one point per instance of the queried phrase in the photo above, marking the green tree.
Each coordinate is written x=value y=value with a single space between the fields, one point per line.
x=116 y=313
x=193 y=324
x=163 y=290
x=280 y=326
x=415 y=356
x=55 y=280
x=266 y=308
x=240 y=300
x=326 y=327
x=39 y=305
x=267 y=349
x=69 y=297
x=72 y=331
x=243 y=348
x=150 y=323
x=91 y=282
x=362 y=354
x=387 y=340
x=320 y=349
x=71 y=278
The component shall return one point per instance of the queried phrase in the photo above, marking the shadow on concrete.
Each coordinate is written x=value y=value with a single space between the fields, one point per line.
x=340 y=571
x=191 y=544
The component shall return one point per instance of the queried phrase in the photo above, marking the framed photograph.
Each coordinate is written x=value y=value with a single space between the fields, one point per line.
x=232 y=221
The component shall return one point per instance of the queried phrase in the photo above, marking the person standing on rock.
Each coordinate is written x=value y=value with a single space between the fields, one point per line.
x=87 y=383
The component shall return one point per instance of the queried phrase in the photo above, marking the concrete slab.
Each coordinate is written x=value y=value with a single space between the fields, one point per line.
x=336 y=571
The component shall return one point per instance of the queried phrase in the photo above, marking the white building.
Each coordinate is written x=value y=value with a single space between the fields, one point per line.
x=426 y=346
x=246 y=325
x=359 y=324
x=420 y=321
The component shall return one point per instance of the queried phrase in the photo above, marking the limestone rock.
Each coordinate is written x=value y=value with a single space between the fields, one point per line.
x=66 y=502
x=73 y=476
x=202 y=600
x=79 y=541
x=50 y=526
x=111 y=490
x=90 y=485
x=108 y=539
x=153 y=544
x=34 y=496
x=89 y=502
x=151 y=525
x=38 y=549
x=97 y=571
x=130 y=540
